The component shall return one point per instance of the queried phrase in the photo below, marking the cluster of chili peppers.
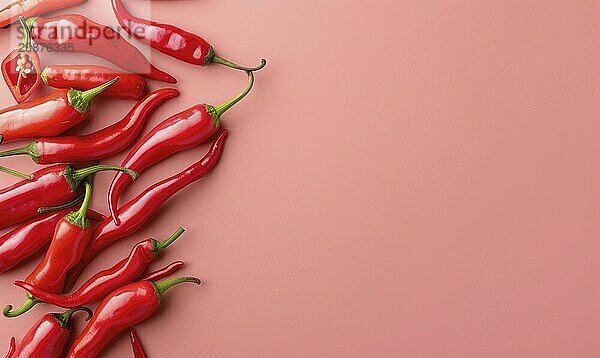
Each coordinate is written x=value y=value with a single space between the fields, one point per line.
x=49 y=209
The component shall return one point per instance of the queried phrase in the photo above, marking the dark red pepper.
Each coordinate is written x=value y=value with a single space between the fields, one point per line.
x=172 y=40
x=48 y=115
x=49 y=335
x=48 y=187
x=27 y=239
x=21 y=68
x=10 y=12
x=83 y=77
x=136 y=212
x=181 y=131
x=164 y=271
x=136 y=344
x=98 y=145
x=123 y=308
x=97 y=40
x=104 y=282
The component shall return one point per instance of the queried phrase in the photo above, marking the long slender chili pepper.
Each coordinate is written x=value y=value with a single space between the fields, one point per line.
x=49 y=335
x=181 y=131
x=136 y=344
x=51 y=186
x=11 y=11
x=11 y=348
x=27 y=239
x=97 y=40
x=21 y=68
x=136 y=212
x=104 y=282
x=48 y=115
x=123 y=308
x=164 y=271
x=83 y=77
x=173 y=41
x=100 y=144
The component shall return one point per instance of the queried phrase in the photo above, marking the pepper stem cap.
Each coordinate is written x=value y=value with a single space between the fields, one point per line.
x=159 y=246
x=81 y=100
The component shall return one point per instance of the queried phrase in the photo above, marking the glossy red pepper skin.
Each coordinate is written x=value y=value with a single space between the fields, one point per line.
x=9 y=15
x=48 y=337
x=21 y=69
x=123 y=308
x=136 y=344
x=11 y=348
x=98 y=40
x=83 y=77
x=164 y=271
x=106 y=281
x=48 y=115
x=27 y=239
x=98 y=145
x=140 y=209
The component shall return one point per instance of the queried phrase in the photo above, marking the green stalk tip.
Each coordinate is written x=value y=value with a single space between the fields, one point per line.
x=159 y=246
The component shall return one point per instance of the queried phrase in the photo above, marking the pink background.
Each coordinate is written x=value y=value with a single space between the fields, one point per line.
x=407 y=179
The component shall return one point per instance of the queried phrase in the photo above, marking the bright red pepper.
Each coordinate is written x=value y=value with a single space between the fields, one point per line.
x=172 y=40
x=21 y=69
x=11 y=11
x=136 y=212
x=83 y=77
x=136 y=344
x=48 y=115
x=49 y=335
x=164 y=271
x=97 y=40
x=98 y=145
x=122 y=309
x=48 y=187
x=27 y=239
x=181 y=131
x=104 y=282
x=11 y=348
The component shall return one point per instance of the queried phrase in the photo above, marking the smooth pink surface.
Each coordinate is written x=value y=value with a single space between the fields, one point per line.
x=407 y=179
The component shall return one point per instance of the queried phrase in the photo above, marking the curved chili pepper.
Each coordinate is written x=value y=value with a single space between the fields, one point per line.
x=11 y=348
x=123 y=308
x=83 y=77
x=172 y=40
x=100 y=144
x=136 y=344
x=51 y=186
x=136 y=212
x=97 y=40
x=49 y=335
x=11 y=12
x=25 y=240
x=164 y=272
x=21 y=68
x=104 y=282
x=48 y=115
x=181 y=131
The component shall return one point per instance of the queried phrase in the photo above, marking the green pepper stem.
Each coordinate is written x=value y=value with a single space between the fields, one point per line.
x=26 y=34
x=16 y=173
x=217 y=111
x=79 y=217
x=48 y=209
x=159 y=246
x=26 y=150
x=29 y=303
x=64 y=319
x=222 y=61
x=161 y=287
x=81 y=100
x=83 y=173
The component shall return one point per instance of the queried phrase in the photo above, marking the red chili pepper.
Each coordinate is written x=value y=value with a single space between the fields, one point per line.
x=181 y=131
x=25 y=240
x=164 y=272
x=104 y=282
x=136 y=344
x=51 y=186
x=136 y=212
x=49 y=335
x=11 y=348
x=122 y=309
x=21 y=68
x=98 y=145
x=11 y=12
x=84 y=77
x=49 y=115
x=173 y=41
x=97 y=40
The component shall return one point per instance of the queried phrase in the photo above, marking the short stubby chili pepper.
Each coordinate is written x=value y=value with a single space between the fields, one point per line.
x=181 y=131
x=21 y=68
x=51 y=186
x=123 y=308
x=49 y=335
x=104 y=282
x=97 y=40
x=25 y=240
x=97 y=145
x=164 y=271
x=11 y=11
x=83 y=77
x=140 y=209
x=136 y=344
x=48 y=115
x=173 y=41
